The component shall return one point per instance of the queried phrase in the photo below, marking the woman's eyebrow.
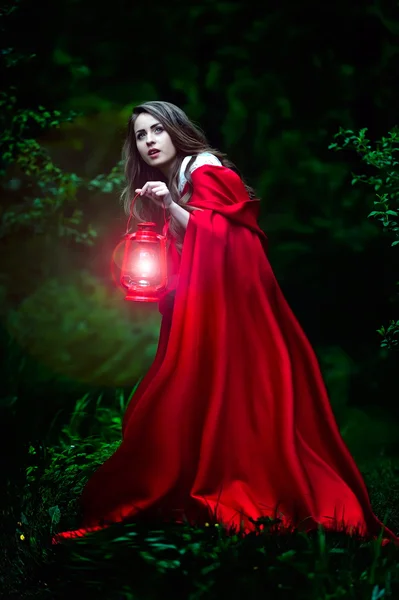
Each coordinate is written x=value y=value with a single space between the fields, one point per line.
x=152 y=127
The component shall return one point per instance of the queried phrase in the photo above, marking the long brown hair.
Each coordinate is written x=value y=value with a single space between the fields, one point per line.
x=188 y=139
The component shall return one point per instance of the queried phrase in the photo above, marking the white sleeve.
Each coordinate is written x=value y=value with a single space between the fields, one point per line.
x=205 y=158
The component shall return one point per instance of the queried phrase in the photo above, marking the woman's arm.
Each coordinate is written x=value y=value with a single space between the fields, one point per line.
x=181 y=215
x=159 y=193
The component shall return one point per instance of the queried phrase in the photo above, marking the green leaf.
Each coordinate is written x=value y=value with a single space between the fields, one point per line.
x=210 y=568
x=286 y=555
x=55 y=514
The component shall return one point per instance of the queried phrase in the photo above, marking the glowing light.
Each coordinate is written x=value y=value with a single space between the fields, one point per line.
x=143 y=266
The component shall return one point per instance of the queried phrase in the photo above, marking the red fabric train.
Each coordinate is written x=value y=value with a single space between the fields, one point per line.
x=232 y=420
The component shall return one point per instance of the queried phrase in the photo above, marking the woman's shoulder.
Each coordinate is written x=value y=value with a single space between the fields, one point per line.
x=204 y=158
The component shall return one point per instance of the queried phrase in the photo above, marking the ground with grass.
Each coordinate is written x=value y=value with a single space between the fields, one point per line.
x=153 y=560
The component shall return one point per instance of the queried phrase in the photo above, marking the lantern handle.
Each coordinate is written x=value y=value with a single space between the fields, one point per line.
x=131 y=212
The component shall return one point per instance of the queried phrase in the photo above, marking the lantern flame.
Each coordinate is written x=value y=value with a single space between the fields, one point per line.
x=144 y=264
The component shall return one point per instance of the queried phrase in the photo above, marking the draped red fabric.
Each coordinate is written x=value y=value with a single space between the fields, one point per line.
x=232 y=420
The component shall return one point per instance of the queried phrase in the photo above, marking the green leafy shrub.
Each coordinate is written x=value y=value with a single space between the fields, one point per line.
x=381 y=157
x=39 y=196
x=40 y=507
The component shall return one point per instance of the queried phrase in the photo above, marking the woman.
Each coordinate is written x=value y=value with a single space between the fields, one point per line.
x=232 y=421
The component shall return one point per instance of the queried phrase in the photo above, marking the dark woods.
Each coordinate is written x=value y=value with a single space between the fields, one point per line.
x=271 y=88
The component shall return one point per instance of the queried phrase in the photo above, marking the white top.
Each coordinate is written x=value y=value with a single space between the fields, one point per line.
x=204 y=158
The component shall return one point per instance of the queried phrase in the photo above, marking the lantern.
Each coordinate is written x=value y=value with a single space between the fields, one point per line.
x=143 y=271
x=144 y=264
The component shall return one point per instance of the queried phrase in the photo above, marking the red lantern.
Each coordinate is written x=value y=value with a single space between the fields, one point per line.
x=144 y=267
x=144 y=264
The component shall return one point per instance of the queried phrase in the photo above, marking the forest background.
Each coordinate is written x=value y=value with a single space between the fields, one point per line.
x=271 y=85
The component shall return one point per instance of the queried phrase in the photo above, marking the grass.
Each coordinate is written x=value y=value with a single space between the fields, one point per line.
x=147 y=561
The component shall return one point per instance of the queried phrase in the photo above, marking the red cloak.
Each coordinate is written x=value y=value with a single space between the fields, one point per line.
x=232 y=419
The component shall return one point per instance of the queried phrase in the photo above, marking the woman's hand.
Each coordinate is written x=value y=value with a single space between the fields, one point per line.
x=157 y=192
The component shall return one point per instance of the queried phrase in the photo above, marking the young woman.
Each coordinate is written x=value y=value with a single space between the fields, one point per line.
x=232 y=421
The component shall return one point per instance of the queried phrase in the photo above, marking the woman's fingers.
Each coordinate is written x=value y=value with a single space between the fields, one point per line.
x=153 y=188
x=146 y=188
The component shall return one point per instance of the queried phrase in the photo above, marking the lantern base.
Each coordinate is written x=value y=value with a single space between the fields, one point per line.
x=135 y=298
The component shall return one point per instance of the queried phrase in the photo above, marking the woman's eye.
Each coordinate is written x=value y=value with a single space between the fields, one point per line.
x=158 y=129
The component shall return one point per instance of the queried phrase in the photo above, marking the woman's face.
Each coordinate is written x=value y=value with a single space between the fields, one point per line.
x=150 y=136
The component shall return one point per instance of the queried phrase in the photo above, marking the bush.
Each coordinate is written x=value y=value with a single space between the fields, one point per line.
x=383 y=158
